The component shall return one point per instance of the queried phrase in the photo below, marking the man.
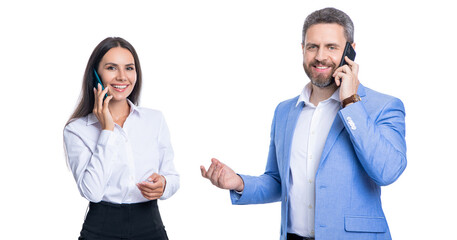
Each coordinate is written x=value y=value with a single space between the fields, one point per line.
x=331 y=147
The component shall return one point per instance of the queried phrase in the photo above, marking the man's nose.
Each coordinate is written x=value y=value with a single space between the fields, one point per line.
x=321 y=55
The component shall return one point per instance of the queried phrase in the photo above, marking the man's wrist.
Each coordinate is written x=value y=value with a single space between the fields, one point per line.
x=240 y=188
x=351 y=99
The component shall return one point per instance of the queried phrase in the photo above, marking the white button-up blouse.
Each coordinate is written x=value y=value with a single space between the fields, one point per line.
x=107 y=164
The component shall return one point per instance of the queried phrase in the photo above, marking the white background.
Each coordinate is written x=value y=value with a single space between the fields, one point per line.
x=217 y=70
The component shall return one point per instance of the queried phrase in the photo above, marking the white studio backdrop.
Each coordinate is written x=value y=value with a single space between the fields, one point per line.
x=217 y=70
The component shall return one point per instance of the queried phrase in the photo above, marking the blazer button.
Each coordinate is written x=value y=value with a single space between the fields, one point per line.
x=351 y=123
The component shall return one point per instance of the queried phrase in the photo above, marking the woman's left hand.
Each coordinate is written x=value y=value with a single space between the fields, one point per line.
x=154 y=187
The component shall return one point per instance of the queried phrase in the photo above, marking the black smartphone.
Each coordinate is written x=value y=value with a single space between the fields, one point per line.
x=348 y=51
x=97 y=80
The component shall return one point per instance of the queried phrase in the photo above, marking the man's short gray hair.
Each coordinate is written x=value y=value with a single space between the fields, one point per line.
x=330 y=15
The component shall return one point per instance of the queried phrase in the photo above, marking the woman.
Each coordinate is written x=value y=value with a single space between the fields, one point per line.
x=120 y=154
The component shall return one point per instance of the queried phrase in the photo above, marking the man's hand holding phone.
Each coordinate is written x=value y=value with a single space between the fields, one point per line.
x=346 y=77
x=101 y=109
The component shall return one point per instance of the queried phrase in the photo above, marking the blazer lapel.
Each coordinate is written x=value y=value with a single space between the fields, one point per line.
x=336 y=129
x=292 y=118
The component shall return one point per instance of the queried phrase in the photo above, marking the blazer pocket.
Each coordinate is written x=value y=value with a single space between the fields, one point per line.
x=365 y=224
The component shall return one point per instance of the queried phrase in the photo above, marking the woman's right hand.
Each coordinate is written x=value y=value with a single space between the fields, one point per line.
x=101 y=109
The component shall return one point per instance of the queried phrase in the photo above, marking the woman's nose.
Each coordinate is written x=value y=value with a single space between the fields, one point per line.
x=121 y=75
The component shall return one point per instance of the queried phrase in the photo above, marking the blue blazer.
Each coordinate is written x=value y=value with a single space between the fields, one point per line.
x=365 y=149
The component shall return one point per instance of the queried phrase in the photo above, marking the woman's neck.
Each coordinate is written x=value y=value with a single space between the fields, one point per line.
x=119 y=111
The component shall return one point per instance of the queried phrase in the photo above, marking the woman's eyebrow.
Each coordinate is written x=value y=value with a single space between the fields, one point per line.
x=115 y=64
x=111 y=63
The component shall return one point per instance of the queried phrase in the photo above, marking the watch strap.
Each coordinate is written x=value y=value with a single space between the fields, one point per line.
x=352 y=99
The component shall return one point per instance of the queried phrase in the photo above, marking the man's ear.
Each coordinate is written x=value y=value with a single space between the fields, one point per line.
x=353 y=45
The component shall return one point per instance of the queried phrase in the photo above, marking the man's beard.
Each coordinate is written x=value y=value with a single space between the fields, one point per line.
x=320 y=80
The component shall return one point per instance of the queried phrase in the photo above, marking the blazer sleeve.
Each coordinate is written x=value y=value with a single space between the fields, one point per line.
x=379 y=142
x=265 y=188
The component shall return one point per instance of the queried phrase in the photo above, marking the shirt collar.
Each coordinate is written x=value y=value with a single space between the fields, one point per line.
x=306 y=94
x=91 y=118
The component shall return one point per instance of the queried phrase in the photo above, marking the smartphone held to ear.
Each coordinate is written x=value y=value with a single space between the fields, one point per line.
x=349 y=52
x=97 y=80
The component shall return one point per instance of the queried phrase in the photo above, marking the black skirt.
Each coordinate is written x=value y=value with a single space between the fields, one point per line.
x=138 y=221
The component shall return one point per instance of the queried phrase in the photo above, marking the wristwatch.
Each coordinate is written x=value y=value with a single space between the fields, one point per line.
x=352 y=99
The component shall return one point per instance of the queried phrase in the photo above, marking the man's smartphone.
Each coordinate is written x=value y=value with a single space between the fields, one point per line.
x=349 y=52
x=97 y=81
